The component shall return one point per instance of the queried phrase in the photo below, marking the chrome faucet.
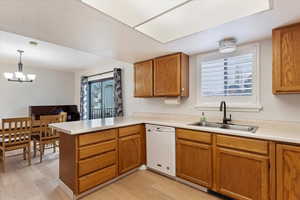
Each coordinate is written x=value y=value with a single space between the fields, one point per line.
x=223 y=108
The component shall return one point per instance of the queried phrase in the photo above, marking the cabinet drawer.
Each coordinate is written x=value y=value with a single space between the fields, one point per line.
x=130 y=130
x=95 y=149
x=251 y=145
x=96 y=178
x=96 y=137
x=96 y=163
x=196 y=136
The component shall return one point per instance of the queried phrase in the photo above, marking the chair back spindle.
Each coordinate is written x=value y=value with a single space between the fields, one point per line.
x=16 y=131
x=45 y=131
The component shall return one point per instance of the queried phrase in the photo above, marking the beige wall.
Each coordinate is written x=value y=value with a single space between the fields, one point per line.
x=283 y=107
x=50 y=88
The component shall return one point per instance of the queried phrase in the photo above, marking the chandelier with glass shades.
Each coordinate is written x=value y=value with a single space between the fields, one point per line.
x=19 y=76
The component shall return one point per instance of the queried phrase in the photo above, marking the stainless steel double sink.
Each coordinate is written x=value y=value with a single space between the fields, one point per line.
x=235 y=127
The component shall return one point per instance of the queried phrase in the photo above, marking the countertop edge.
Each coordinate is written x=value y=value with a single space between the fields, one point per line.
x=260 y=136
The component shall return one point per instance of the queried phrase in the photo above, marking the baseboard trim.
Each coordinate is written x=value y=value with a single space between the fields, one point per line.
x=198 y=187
x=72 y=196
x=188 y=183
x=67 y=190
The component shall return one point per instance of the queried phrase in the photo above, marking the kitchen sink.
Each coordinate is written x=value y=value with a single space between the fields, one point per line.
x=236 y=127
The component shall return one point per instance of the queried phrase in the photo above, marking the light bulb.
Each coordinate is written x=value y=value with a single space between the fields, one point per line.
x=23 y=78
x=8 y=75
x=31 y=77
x=19 y=75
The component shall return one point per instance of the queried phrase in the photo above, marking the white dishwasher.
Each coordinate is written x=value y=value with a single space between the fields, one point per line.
x=161 y=149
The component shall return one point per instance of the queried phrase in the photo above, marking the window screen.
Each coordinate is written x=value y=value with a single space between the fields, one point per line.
x=231 y=76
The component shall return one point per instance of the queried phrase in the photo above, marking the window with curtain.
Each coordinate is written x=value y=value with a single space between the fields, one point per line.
x=101 y=95
x=231 y=77
x=101 y=98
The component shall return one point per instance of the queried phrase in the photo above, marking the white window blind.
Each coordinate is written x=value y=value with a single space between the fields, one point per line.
x=231 y=76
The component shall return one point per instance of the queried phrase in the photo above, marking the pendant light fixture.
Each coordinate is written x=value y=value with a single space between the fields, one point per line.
x=19 y=76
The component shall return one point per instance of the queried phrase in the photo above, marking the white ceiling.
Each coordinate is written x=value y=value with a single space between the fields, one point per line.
x=200 y=15
x=45 y=54
x=169 y=20
x=133 y=12
x=73 y=24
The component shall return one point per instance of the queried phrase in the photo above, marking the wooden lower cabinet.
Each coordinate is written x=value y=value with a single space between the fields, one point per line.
x=240 y=175
x=90 y=159
x=241 y=168
x=132 y=147
x=129 y=152
x=194 y=162
x=288 y=172
x=87 y=182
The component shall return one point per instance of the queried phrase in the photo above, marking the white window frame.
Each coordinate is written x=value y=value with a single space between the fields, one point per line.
x=240 y=103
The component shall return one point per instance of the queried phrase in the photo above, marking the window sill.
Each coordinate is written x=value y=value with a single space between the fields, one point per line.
x=232 y=108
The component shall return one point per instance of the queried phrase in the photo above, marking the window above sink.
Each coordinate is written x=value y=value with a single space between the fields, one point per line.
x=232 y=77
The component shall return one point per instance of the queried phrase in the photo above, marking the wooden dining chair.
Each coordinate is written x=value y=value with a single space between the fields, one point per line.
x=63 y=116
x=15 y=135
x=47 y=135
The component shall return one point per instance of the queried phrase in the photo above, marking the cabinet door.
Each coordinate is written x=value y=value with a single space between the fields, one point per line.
x=143 y=79
x=167 y=76
x=129 y=152
x=286 y=59
x=288 y=172
x=194 y=162
x=242 y=176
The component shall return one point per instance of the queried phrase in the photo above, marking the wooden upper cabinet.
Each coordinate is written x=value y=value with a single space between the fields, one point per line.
x=243 y=176
x=171 y=75
x=288 y=172
x=166 y=76
x=143 y=79
x=286 y=59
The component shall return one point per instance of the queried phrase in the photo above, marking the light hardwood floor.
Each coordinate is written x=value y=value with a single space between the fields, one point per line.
x=40 y=182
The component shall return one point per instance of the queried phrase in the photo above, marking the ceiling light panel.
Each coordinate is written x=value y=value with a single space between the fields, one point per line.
x=133 y=12
x=200 y=15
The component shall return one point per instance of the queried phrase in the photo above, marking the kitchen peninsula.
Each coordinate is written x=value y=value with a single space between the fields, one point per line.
x=97 y=152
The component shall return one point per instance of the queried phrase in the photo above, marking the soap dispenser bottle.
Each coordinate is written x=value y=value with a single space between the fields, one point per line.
x=203 y=119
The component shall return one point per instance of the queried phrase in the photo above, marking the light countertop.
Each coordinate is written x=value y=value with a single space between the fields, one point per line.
x=274 y=131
